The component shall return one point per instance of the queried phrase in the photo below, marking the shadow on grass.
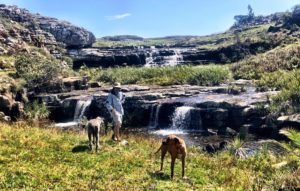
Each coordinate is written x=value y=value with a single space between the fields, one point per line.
x=80 y=148
x=159 y=175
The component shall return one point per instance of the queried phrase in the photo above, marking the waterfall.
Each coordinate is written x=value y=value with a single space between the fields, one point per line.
x=174 y=59
x=154 y=115
x=182 y=117
x=81 y=107
x=80 y=110
x=150 y=59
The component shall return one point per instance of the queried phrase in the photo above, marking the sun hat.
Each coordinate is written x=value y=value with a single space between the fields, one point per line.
x=117 y=85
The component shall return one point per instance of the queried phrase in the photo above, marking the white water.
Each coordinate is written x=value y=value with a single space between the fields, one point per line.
x=80 y=109
x=171 y=60
x=180 y=121
x=150 y=59
x=181 y=117
x=67 y=124
x=174 y=59
x=153 y=123
x=165 y=132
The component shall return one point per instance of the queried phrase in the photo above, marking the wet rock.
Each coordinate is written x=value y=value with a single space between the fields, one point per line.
x=289 y=121
x=126 y=88
x=176 y=94
x=17 y=111
x=5 y=104
x=227 y=131
x=215 y=147
x=244 y=132
x=250 y=149
x=4 y=118
x=75 y=83
x=93 y=84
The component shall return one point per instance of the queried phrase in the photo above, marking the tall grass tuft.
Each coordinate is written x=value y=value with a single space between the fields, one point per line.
x=178 y=75
x=293 y=135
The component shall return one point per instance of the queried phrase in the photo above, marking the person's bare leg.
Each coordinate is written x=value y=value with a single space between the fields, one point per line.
x=115 y=135
x=118 y=126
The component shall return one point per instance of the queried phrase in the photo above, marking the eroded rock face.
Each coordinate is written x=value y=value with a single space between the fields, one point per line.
x=207 y=109
x=289 y=121
x=149 y=56
x=65 y=32
x=10 y=109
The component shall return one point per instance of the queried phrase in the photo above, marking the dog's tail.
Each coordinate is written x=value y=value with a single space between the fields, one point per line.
x=158 y=150
x=162 y=144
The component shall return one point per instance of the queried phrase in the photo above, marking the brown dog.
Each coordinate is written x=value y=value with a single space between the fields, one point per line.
x=177 y=149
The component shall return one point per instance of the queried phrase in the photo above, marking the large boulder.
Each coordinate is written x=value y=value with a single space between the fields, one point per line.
x=65 y=32
x=5 y=104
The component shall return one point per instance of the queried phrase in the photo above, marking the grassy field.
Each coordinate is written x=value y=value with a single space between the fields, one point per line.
x=47 y=159
x=195 y=75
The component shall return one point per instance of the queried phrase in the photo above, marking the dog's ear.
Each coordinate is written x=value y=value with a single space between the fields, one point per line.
x=164 y=142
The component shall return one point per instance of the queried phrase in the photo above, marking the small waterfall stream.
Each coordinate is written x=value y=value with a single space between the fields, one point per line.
x=174 y=59
x=80 y=110
x=81 y=107
x=181 y=121
x=182 y=117
x=154 y=57
x=154 y=115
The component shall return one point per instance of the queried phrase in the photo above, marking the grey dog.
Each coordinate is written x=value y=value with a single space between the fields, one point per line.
x=93 y=128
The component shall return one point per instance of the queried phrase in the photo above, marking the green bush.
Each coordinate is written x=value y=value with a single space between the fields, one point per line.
x=36 y=111
x=38 y=71
x=293 y=135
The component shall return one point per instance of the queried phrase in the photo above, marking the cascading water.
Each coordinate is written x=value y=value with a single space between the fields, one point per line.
x=174 y=59
x=80 y=110
x=181 y=120
x=150 y=59
x=182 y=117
x=81 y=107
x=153 y=123
x=155 y=59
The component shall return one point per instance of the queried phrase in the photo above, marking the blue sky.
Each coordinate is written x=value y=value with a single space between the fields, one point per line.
x=151 y=18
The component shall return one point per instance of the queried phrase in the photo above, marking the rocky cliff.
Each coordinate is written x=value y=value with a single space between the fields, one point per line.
x=62 y=31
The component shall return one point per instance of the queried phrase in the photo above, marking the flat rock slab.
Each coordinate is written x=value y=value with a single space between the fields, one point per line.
x=290 y=121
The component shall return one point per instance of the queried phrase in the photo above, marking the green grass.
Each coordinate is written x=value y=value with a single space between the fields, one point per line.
x=146 y=42
x=228 y=38
x=195 y=75
x=281 y=58
x=288 y=82
x=42 y=159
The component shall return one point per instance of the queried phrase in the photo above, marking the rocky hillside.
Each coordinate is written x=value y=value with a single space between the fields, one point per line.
x=33 y=55
x=62 y=31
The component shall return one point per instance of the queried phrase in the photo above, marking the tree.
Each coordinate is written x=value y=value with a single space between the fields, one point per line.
x=250 y=13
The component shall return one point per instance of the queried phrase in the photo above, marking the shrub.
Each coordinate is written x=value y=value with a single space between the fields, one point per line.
x=209 y=76
x=36 y=111
x=293 y=135
x=38 y=71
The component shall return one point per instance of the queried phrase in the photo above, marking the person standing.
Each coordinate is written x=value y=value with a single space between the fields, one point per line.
x=114 y=102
